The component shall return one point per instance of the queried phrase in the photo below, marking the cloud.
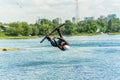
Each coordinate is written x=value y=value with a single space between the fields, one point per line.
x=54 y=7
x=116 y=4
x=50 y=9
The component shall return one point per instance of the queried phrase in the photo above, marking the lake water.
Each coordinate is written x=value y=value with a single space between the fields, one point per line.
x=90 y=58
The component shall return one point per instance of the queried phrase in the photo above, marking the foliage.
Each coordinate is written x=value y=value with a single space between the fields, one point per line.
x=44 y=26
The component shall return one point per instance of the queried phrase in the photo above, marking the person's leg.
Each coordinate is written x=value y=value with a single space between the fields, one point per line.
x=51 y=41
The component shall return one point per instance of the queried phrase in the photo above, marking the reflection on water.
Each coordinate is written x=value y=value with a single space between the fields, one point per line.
x=90 y=58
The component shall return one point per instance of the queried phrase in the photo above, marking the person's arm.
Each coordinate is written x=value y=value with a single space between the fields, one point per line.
x=59 y=32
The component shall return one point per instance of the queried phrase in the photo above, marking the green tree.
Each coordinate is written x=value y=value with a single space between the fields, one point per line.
x=90 y=26
x=115 y=25
x=26 y=30
x=1 y=33
x=11 y=31
x=70 y=28
x=35 y=31
x=109 y=27
x=102 y=24
x=45 y=26
x=80 y=26
x=55 y=22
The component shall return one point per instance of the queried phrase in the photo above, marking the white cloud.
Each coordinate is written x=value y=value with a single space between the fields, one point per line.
x=116 y=4
x=15 y=10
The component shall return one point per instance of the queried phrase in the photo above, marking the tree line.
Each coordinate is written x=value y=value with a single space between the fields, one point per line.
x=44 y=26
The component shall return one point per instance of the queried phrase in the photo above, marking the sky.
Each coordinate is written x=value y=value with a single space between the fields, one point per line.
x=31 y=10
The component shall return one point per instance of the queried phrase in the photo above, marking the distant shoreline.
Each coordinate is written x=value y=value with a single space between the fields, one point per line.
x=28 y=37
x=18 y=37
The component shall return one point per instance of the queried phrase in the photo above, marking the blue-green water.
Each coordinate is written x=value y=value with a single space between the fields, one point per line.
x=90 y=58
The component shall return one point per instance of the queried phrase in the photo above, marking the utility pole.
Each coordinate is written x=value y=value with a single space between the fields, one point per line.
x=77 y=12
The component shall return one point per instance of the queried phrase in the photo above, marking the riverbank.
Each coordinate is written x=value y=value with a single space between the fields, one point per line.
x=18 y=37
x=80 y=34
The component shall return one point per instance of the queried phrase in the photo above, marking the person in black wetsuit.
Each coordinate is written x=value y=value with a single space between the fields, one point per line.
x=59 y=41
